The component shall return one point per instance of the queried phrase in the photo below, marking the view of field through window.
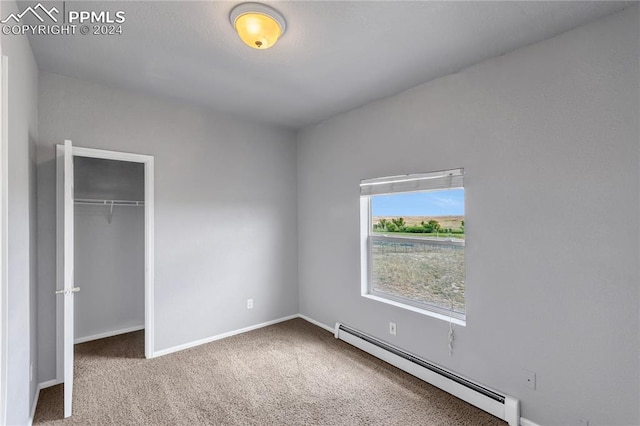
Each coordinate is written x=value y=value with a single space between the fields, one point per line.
x=417 y=247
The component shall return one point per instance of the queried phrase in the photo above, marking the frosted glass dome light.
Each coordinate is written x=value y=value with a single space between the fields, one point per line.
x=258 y=25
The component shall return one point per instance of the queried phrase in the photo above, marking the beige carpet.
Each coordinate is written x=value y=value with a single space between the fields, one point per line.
x=292 y=373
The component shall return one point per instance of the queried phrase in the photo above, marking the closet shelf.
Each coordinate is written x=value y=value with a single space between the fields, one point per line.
x=132 y=203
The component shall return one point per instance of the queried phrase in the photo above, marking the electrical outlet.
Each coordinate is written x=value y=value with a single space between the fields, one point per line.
x=249 y=303
x=392 y=328
x=529 y=379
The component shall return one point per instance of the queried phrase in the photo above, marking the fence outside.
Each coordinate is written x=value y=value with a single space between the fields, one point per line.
x=424 y=270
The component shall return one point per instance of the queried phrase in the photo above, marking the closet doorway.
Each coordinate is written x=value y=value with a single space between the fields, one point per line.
x=105 y=250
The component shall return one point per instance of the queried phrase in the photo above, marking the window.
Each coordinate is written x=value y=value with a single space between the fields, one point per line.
x=413 y=239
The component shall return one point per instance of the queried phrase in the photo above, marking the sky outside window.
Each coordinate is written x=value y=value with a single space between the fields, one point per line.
x=448 y=202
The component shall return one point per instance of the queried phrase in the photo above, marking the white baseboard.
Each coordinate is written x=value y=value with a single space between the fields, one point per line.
x=49 y=383
x=194 y=343
x=108 y=334
x=34 y=405
x=318 y=323
x=220 y=336
x=527 y=422
x=40 y=386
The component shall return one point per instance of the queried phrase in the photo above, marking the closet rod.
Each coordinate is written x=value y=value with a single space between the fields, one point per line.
x=108 y=202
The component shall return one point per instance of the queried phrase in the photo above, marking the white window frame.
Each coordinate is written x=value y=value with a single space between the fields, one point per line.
x=396 y=185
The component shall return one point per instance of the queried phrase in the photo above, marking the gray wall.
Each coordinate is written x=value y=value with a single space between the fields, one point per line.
x=109 y=257
x=548 y=137
x=22 y=301
x=225 y=213
x=109 y=269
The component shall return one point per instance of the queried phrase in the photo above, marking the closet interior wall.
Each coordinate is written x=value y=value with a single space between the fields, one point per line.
x=109 y=248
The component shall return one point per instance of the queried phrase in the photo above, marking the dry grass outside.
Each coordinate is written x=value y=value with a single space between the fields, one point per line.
x=429 y=274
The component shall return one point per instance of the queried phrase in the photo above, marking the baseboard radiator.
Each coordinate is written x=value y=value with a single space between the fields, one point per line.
x=502 y=406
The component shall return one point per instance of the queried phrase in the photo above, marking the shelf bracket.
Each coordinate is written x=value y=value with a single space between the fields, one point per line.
x=110 y=214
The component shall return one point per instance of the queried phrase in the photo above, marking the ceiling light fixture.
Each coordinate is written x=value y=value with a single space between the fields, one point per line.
x=258 y=25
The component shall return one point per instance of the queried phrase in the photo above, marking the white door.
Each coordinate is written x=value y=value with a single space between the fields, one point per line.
x=69 y=289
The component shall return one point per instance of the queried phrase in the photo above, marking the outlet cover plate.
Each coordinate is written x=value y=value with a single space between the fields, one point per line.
x=529 y=379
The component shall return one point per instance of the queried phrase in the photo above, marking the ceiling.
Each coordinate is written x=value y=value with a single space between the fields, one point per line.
x=335 y=55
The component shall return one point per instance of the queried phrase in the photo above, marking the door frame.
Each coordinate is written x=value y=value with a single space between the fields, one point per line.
x=149 y=274
x=4 y=234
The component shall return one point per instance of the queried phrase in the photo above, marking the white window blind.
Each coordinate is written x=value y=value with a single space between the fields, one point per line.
x=446 y=179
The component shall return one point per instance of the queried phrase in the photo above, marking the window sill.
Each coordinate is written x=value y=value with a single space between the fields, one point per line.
x=416 y=309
